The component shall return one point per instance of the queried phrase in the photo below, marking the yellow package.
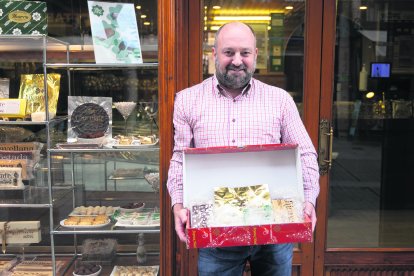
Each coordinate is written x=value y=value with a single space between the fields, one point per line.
x=32 y=89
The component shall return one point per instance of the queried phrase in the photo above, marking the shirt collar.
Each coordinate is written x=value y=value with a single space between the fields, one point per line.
x=219 y=90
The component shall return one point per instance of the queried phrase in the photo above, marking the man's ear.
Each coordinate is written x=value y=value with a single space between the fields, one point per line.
x=214 y=52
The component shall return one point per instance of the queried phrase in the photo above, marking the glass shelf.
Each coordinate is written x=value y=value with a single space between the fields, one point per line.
x=35 y=197
x=104 y=66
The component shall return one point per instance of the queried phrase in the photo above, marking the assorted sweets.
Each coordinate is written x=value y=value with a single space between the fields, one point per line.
x=35 y=268
x=132 y=207
x=135 y=271
x=146 y=218
x=243 y=206
x=94 y=210
x=6 y=265
x=87 y=269
x=86 y=220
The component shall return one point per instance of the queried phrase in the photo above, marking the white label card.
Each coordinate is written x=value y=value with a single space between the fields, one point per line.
x=10 y=106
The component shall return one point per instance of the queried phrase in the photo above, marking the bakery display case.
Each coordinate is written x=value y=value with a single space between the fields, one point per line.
x=80 y=159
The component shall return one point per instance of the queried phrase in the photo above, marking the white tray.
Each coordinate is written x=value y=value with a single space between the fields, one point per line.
x=138 y=226
x=135 y=144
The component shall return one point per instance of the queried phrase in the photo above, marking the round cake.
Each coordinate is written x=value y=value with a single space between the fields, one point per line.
x=89 y=120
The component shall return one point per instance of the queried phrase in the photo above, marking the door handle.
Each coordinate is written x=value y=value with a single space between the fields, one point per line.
x=325 y=146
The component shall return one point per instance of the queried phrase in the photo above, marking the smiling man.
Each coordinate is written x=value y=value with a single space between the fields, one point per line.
x=232 y=108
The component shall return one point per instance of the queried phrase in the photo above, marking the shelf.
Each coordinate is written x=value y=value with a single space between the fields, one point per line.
x=106 y=66
x=35 y=197
x=30 y=123
x=104 y=150
x=104 y=230
x=112 y=177
x=57 y=119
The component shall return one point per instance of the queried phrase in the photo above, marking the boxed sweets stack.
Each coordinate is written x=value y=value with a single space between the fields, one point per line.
x=36 y=268
x=99 y=251
x=17 y=163
x=19 y=232
x=23 y=17
x=230 y=207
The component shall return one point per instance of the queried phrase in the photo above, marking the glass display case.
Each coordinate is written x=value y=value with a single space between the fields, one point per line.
x=87 y=189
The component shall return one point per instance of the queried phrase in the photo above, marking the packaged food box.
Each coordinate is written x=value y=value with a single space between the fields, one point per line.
x=18 y=232
x=277 y=165
x=23 y=17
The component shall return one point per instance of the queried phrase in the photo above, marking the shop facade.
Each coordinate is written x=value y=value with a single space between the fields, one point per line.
x=347 y=64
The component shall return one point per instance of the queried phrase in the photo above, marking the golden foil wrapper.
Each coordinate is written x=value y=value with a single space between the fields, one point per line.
x=32 y=89
x=249 y=196
x=242 y=206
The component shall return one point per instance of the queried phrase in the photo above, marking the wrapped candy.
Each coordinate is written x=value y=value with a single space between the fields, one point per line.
x=242 y=205
x=32 y=89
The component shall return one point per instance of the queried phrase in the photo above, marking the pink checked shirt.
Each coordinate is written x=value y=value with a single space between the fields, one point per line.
x=205 y=117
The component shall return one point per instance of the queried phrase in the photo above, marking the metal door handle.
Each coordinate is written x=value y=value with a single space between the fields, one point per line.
x=325 y=146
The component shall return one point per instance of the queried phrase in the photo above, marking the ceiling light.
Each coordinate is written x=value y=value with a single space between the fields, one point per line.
x=363 y=7
x=370 y=95
x=245 y=12
x=241 y=18
x=289 y=7
x=216 y=7
x=214 y=28
x=146 y=23
x=138 y=7
x=143 y=16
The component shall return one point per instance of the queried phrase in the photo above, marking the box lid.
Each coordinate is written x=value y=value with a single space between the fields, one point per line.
x=277 y=165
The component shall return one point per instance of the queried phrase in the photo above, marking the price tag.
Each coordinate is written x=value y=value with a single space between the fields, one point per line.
x=12 y=108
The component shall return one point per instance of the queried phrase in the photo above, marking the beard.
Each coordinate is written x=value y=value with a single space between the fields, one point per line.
x=234 y=81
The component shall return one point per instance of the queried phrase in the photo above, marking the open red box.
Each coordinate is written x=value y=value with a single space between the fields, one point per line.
x=277 y=165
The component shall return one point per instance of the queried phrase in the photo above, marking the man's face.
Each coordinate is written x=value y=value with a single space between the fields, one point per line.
x=235 y=56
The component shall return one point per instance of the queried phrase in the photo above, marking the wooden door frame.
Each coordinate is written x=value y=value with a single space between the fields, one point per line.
x=311 y=94
x=186 y=46
x=176 y=61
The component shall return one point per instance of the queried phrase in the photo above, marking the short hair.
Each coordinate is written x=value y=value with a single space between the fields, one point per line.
x=221 y=27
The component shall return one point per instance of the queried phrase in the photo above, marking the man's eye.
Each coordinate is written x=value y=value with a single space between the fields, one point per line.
x=245 y=54
x=228 y=53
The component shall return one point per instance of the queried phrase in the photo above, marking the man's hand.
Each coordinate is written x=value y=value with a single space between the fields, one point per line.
x=180 y=219
x=310 y=212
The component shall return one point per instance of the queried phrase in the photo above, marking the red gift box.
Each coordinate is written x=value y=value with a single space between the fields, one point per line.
x=277 y=165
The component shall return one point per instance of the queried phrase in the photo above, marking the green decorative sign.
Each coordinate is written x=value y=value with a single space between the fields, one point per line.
x=23 y=17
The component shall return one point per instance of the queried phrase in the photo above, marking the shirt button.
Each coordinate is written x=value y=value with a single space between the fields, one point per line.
x=234 y=141
x=233 y=120
x=234 y=101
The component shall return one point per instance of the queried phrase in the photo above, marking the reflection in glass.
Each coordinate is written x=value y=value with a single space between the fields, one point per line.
x=279 y=33
x=371 y=189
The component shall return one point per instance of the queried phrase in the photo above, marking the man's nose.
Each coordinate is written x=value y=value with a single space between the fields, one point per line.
x=237 y=59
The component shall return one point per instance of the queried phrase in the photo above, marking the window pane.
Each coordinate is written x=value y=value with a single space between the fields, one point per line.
x=371 y=184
